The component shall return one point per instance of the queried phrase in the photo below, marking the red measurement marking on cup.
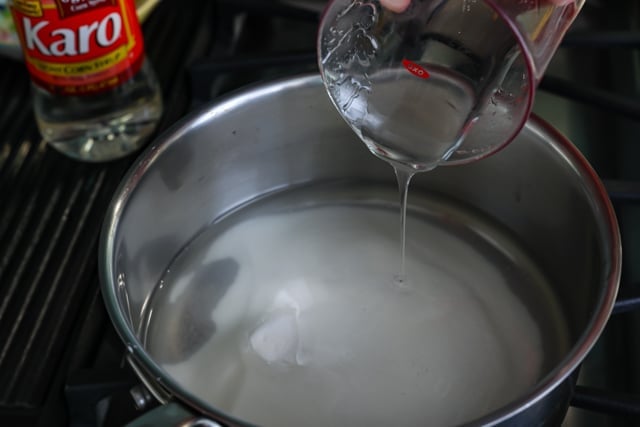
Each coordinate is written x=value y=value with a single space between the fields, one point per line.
x=415 y=69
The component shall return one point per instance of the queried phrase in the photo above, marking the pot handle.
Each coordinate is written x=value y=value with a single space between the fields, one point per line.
x=171 y=415
x=156 y=390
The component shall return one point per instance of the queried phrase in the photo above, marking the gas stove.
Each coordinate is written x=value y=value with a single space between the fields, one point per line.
x=61 y=362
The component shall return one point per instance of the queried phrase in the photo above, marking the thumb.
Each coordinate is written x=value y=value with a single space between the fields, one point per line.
x=397 y=6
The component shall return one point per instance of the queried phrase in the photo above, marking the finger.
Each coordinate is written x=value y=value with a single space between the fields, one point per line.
x=397 y=6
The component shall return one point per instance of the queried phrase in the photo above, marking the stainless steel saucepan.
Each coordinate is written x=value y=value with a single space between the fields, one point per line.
x=284 y=134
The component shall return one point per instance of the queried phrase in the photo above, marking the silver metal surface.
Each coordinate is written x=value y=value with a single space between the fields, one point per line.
x=287 y=133
x=171 y=415
x=141 y=397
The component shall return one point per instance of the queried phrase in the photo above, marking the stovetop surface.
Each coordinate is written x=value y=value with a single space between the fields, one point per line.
x=59 y=354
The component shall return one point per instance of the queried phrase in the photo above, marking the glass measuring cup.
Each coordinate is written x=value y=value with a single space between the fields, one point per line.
x=438 y=81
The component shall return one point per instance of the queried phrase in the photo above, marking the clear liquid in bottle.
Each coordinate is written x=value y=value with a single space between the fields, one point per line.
x=95 y=95
x=101 y=127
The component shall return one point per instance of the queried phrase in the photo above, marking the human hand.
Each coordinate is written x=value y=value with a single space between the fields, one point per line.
x=399 y=6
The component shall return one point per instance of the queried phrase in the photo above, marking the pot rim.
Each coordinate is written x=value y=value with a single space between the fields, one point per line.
x=560 y=143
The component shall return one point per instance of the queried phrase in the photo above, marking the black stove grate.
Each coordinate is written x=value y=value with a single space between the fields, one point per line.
x=51 y=213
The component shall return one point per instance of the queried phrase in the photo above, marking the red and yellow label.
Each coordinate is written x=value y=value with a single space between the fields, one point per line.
x=78 y=47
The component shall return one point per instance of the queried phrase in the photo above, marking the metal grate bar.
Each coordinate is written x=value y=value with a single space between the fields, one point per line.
x=626 y=305
x=50 y=259
x=222 y=65
x=623 y=191
x=606 y=402
x=602 y=39
x=14 y=119
x=622 y=105
x=204 y=73
x=275 y=8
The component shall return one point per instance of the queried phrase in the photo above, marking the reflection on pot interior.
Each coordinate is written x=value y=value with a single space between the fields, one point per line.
x=285 y=312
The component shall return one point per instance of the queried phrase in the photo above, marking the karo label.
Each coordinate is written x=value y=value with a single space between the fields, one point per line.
x=80 y=47
x=68 y=8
